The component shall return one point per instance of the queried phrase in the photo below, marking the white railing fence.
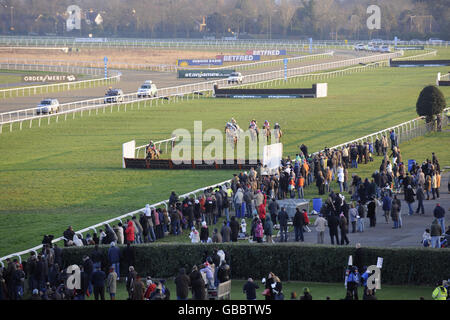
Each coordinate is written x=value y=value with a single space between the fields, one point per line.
x=164 y=203
x=114 y=76
x=405 y=131
x=178 y=92
x=299 y=45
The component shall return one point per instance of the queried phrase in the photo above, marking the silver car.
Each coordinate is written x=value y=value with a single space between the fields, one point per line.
x=48 y=106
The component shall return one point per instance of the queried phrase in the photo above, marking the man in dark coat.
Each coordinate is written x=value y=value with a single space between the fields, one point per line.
x=98 y=281
x=197 y=284
x=183 y=282
x=129 y=255
x=298 y=225
x=283 y=219
x=249 y=289
x=333 y=223
x=234 y=226
x=226 y=232
x=274 y=207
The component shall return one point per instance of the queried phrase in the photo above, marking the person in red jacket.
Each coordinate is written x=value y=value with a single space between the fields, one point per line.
x=262 y=212
x=130 y=232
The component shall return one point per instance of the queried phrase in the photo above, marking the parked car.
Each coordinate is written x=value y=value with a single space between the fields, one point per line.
x=385 y=49
x=235 y=77
x=48 y=106
x=416 y=41
x=377 y=41
x=360 y=47
x=435 y=40
x=113 y=96
x=370 y=47
x=148 y=89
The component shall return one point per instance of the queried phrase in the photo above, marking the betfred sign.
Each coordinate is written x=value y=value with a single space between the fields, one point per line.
x=267 y=52
x=239 y=58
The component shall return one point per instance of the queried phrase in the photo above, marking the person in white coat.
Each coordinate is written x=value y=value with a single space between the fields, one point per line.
x=194 y=235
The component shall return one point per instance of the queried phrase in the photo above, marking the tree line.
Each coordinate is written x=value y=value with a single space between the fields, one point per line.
x=264 y=19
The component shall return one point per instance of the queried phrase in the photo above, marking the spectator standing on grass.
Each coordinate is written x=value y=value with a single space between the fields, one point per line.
x=435 y=232
x=197 y=284
x=111 y=283
x=194 y=235
x=249 y=289
x=238 y=199
x=131 y=278
x=439 y=214
x=182 y=282
x=130 y=234
x=98 y=281
x=234 y=228
x=114 y=258
x=204 y=232
x=216 y=237
x=226 y=232
x=119 y=233
x=138 y=289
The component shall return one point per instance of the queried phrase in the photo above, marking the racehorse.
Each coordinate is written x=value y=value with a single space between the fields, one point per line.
x=277 y=134
x=232 y=136
x=267 y=134
x=153 y=154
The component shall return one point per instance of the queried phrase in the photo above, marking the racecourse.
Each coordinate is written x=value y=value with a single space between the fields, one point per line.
x=70 y=172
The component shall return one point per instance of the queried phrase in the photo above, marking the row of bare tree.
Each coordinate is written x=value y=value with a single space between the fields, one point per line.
x=320 y=19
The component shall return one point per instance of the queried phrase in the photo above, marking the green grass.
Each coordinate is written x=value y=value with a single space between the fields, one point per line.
x=70 y=172
x=319 y=291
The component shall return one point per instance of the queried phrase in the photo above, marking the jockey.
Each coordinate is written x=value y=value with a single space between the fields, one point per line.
x=252 y=125
x=234 y=124
x=151 y=145
x=277 y=126
x=266 y=125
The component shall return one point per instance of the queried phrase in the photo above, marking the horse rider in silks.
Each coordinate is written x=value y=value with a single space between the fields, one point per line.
x=277 y=131
x=235 y=125
x=151 y=149
x=254 y=126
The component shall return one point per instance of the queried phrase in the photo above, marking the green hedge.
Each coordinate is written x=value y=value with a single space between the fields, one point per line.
x=312 y=263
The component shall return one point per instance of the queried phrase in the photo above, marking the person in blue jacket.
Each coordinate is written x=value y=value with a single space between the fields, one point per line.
x=353 y=280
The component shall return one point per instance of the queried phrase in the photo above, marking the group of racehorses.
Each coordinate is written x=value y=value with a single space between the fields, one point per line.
x=233 y=131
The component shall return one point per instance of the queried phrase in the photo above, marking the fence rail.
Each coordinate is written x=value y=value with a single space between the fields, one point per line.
x=81 y=84
x=299 y=45
x=177 y=92
x=405 y=131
